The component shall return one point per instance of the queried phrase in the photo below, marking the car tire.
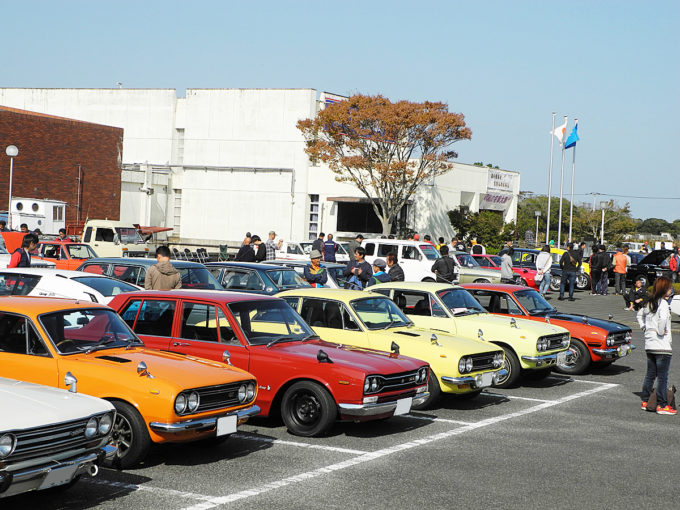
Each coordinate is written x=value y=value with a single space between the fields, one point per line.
x=308 y=409
x=129 y=435
x=435 y=393
x=481 y=280
x=523 y=282
x=511 y=364
x=555 y=282
x=582 y=281
x=581 y=359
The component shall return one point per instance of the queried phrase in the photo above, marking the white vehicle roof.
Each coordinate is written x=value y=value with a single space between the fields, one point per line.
x=400 y=242
x=46 y=271
x=33 y=405
x=108 y=223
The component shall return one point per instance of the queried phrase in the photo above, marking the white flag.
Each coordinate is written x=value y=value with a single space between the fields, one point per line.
x=560 y=130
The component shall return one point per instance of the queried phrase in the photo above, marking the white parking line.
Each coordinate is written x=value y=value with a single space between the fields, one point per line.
x=513 y=397
x=249 y=437
x=432 y=418
x=149 y=488
x=367 y=457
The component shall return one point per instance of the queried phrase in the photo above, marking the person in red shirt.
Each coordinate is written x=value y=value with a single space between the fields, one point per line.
x=22 y=256
x=620 y=264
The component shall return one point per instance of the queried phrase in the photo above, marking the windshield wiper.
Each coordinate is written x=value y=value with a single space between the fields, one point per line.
x=309 y=337
x=280 y=339
x=134 y=342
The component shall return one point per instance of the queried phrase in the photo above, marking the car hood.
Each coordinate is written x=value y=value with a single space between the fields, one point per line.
x=482 y=271
x=608 y=326
x=175 y=369
x=33 y=405
x=368 y=360
x=491 y=324
x=460 y=345
x=656 y=257
x=35 y=262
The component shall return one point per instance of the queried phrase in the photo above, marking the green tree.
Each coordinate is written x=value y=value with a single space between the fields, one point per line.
x=655 y=226
x=486 y=226
x=617 y=223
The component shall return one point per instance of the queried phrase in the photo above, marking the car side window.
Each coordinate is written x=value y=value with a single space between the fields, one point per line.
x=141 y=277
x=254 y=281
x=437 y=310
x=17 y=336
x=292 y=301
x=26 y=284
x=104 y=234
x=129 y=313
x=347 y=321
x=88 y=235
x=410 y=253
x=126 y=273
x=512 y=307
x=413 y=303
x=235 y=279
x=199 y=322
x=7 y=283
x=155 y=318
x=227 y=335
x=384 y=249
x=51 y=251
x=384 y=292
x=96 y=268
x=370 y=248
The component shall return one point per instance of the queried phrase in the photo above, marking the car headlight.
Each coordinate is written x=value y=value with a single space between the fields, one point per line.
x=540 y=344
x=422 y=375
x=629 y=336
x=373 y=384
x=193 y=400
x=462 y=365
x=250 y=391
x=468 y=364
x=105 y=424
x=565 y=340
x=7 y=444
x=367 y=385
x=498 y=360
x=242 y=393
x=91 y=428
x=181 y=403
x=610 y=341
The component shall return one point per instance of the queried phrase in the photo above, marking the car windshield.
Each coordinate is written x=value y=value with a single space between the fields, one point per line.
x=379 y=313
x=466 y=260
x=105 y=286
x=129 y=235
x=337 y=273
x=80 y=251
x=306 y=247
x=430 y=251
x=198 y=278
x=460 y=301
x=286 y=279
x=267 y=321
x=533 y=302
x=87 y=330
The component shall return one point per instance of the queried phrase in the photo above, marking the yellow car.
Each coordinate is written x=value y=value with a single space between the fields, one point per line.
x=557 y=255
x=459 y=366
x=528 y=345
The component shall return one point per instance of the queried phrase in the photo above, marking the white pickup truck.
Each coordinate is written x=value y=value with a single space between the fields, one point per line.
x=34 y=454
x=114 y=239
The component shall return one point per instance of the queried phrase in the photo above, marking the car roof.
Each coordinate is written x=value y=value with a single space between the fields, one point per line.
x=395 y=241
x=27 y=304
x=504 y=287
x=248 y=265
x=58 y=241
x=422 y=286
x=215 y=295
x=328 y=293
x=141 y=261
x=303 y=263
x=47 y=271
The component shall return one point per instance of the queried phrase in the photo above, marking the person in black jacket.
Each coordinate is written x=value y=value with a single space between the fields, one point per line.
x=635 y=297
x=570 y=264
x=605 y=262
x=22 y=256
x=318 y=243
x=246 y=253
x=379 y=274
x=395 y=270
x=259 y=249
x=444 y=267
x=595 y=270
x=358 y=268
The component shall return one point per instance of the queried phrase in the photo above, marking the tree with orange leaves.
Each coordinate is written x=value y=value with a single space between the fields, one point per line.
x=385 y=149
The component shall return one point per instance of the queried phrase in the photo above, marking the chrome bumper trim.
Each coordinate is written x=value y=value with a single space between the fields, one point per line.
x=474 y=380
x=548 y=359
x=378 y=408
x=201 y=424
x=612 y=352
x=30 y=479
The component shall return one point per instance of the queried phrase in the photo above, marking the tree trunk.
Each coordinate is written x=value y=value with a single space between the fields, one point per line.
x=386 y=225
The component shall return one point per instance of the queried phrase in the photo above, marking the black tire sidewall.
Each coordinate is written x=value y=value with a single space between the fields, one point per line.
x=512 y=363
x=141 y=442
x=435 y=392
x=329 y=409
x=584 y=360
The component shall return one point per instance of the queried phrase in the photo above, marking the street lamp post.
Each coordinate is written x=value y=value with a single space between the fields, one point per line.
x=12 y=152
x=538 y=215
x=602 y=206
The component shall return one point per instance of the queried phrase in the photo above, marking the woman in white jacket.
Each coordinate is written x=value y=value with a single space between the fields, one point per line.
x=543 y=266
x=655 y=320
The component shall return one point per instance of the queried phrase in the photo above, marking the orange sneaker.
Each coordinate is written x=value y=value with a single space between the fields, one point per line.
x=666 y=410
x=644 y=405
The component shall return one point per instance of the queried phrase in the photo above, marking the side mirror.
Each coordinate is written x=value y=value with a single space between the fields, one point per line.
x=71 y=381
x=226 y=357
x=480 y=334
x=143 y=371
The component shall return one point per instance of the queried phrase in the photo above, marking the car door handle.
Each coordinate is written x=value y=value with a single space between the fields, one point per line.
x=180 y=344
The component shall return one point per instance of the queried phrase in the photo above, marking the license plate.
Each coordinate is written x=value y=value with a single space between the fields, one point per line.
x=226 y=425
x=403 y=406
x=487 y=380
x=561 y=358
x=59 y=476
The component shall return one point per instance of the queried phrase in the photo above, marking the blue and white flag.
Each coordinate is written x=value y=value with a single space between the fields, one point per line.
x=573 y=137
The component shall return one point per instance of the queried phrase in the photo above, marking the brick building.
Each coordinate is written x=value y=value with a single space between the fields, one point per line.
x=53 y=153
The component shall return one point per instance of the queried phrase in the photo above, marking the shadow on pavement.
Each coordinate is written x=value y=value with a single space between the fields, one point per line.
x=386 y=427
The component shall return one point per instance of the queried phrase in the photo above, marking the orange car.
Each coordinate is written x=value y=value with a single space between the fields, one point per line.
x=65 y=254
x=159 y=396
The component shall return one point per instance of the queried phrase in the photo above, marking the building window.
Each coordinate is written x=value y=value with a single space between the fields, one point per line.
x=57 y=213
x=313 y=230
x=20 y=206
x=178 y=149
x=35 y=207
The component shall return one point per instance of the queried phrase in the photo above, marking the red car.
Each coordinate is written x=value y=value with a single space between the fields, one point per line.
x=593 y=341
x=65 y=254
x=494 y=262
x=308 y=382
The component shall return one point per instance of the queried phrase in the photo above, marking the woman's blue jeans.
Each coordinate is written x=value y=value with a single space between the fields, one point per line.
x=545 y=284
x=658 y=366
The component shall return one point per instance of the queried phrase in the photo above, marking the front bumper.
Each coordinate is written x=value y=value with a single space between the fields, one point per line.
x=202 y=424
x=53 y=473
x=615 y=352
x=376 y=410
x=475 y=381
x=546 y=360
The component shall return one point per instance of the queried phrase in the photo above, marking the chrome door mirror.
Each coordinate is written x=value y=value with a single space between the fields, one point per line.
x=71 y=381
x=226 y=357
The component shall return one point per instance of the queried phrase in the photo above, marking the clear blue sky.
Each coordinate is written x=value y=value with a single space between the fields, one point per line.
x=506 y=65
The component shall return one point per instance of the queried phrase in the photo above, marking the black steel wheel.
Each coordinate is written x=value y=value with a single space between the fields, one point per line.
x=308 y=409
x=129 y=435
x=579 y=361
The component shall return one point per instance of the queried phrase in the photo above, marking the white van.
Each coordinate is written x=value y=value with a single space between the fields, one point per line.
x=114 y=239
x=415 y=258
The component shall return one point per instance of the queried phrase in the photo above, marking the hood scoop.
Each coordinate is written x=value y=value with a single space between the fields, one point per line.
x=407 y=333
x=115 y=359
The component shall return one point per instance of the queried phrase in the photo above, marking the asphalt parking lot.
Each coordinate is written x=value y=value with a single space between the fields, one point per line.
x=563 y=442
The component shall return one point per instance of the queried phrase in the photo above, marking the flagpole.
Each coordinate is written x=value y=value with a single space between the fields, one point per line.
x=559 y=216
x=552 y=145
x=573 y=172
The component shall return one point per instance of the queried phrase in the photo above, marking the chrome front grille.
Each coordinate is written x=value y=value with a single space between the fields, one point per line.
x=554 y=341
x=619 y=337
x=483 y=361
x=220 y=396
x=397 y=382
x=51 y=439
